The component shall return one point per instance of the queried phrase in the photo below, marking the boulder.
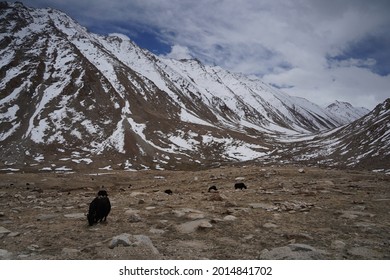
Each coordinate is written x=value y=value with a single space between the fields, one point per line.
x=265 y=206
x=128 y=240
x=192 y=226
x=145 y=241
x=293 y=252
x=338 y=245
x=45 y=217
x=3 y=230
x=134 y=218
x=75 y=216
x=270 y=225
x=122 y=239
x=5 y=255
x=189 y=213
x=229 y=218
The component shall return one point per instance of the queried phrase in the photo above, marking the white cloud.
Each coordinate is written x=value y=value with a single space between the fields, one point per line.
x=179 y=52
x=357 y=85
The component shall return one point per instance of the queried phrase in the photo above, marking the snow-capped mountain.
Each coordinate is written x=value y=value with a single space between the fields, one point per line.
x=364 y=143
x=70 y=97
x=346 y=112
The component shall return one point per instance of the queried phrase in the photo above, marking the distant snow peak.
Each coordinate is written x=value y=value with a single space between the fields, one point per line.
x=338 y=103
x=346 y=112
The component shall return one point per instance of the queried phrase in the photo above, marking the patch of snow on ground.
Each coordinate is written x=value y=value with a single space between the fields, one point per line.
x=83 y=160
x=186 y=144
x=238 y=150
x=39 y=158
x=117 y=139
x=46 y=169
x=109 y=167
x=185 y=116
x=243 y=151
x=10 y=169
x=63 y=169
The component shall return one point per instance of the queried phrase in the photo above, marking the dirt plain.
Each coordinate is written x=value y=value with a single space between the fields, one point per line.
x=327 y=213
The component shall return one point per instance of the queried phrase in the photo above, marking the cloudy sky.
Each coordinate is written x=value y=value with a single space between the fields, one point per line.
x=321 y=50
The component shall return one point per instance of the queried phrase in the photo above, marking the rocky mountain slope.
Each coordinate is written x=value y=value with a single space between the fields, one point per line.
x=72 y=99
x=363 y=143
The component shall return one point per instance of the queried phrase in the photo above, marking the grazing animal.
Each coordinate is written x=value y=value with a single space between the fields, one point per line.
x=213 y=188
x=239 y=186
x=99 y=208
x=168 y=192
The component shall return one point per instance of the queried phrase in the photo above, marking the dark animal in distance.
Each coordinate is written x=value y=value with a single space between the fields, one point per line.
x=99 y=208
x=168 y=192
x=213 y=188
x=239 y=186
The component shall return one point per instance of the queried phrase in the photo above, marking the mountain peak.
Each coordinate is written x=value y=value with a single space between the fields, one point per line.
x=345 y=112
x=340 y=103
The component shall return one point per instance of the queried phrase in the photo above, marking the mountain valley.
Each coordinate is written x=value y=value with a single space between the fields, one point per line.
x=73 y=100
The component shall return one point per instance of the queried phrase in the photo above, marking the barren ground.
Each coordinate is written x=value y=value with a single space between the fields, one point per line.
x=341 y=214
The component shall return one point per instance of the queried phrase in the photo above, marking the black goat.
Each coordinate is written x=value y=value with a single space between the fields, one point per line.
x=213 y=188
x=99 y=208
x=239 y=186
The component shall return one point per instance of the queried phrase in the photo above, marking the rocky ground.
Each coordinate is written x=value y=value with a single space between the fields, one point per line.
x=285 y=213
